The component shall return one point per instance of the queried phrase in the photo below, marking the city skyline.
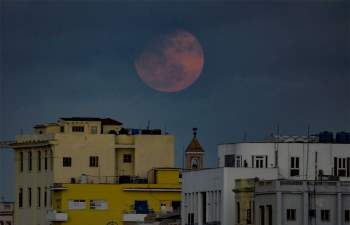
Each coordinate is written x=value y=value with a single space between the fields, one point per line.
x=265 y=64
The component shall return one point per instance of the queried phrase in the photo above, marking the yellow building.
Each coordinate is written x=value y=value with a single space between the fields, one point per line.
x=75 y=148
x=94 y=204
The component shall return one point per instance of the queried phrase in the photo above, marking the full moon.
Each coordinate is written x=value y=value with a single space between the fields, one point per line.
x=171 y=63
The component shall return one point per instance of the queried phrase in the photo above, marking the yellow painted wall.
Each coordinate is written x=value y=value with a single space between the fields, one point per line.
x=123 y=168
x=167 y=176
x=153 y=151
x=118 y=201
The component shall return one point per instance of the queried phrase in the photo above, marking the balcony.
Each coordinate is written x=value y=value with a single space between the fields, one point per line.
x=134 y=217
x=57 y=216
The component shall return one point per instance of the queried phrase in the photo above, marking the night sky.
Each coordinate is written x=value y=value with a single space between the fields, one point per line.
x=265 y=63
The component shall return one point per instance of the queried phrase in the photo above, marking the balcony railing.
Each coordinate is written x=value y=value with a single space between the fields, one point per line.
x=57 y=216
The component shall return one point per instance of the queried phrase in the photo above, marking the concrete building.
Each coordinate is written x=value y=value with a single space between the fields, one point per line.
x=292 y=202
x=293 y=158
x=6 y=213
x=132 y=202
x=73 y=148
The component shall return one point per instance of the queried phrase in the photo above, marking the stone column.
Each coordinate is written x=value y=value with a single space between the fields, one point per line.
x=306 y=208
x=339 y=208
x=279 y=209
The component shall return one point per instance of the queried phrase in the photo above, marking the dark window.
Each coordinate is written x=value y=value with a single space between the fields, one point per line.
x=39 y=160
x=294 y=166
x=78 y=129
x=45 y=161
x=38 y=203
x=62 y=129
x=249 y=216
x=93 y=161
x=325 y=214
x=45 y=197
x=291 y=214
x=127 y=158
x=269 y=214
x=238 y=210
x=20 y=198
x=30 y=197
x=312 y=213
x=262 y=215
x=30 y=161
x=21 y=161
x=347 y=215
x=229 y=160
x=190 y=219
x=67 y=161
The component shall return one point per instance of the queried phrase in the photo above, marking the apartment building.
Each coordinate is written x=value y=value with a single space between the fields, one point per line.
x=73 y=148
x=286 y=157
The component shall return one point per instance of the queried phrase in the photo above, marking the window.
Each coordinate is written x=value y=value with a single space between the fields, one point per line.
x=312 y=213
x=238 y=211
x=341 y=167
x=347 y=215
x=21 y=161
x=325 y=214
x=98 y=204
x=94 y=129
x=262 y=215
x=249 y=216
x=20 y=198
x=39 y=160
x=62 y=129
x=30 y=161
x=45 y=161
x=190 y=219
x=238 y=161
x=259 y=161
x=229 y=160
x=291 y=214
x=93 y=161
x=45 y=197
x=127 y=158
x=78 y=128
x=269 y=214
x=294 y=166
x=67 y=161
x=76 y=204
x=38 y=203
x=30 y=197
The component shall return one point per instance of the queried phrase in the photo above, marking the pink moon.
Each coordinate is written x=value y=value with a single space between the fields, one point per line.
x=171 y=63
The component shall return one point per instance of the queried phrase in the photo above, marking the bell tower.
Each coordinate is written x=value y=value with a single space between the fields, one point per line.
x=194 y=153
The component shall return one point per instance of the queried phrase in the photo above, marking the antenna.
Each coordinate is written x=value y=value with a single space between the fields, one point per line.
x=148 y=124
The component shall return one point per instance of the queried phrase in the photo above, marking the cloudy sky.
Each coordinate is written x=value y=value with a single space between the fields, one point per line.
x=265 y=63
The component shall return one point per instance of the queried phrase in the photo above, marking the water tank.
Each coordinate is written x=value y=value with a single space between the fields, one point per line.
x=326 y=137
x=343 y=137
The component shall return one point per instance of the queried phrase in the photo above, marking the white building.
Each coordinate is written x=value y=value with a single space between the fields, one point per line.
x=290 y=158
x=292 y=202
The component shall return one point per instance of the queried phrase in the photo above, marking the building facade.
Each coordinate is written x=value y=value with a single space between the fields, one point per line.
x=128 y=202
x=6 y=213
x=74 y=148
x=289 y=158
x=297 y=202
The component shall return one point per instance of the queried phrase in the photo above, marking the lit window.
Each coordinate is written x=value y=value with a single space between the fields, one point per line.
x=93 y=161
x=67 y=161
x=291 y=214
